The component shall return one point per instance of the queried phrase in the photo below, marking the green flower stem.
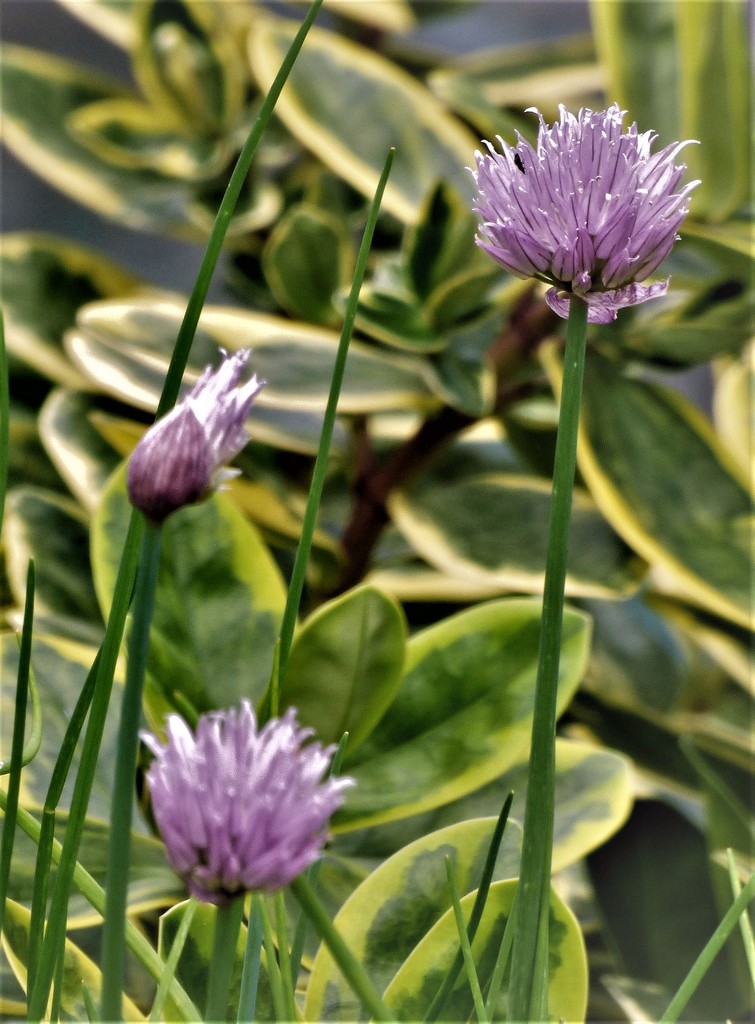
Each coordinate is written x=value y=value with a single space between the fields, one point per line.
x=348 y=964
x=711 y=950
x=227 y=924
x=155 y=1014
x=17 y=742
x=113 y=965
x=528 y=986
x=223 y=218
x=321 y=462
x=250 y=974
x=95 y=896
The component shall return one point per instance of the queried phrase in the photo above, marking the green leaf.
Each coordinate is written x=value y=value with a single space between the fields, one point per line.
x=636 y=43
x=345 y=665
x=411 y=992
x=349 y=105
x=125 y=347
x=188 y=62
x=307 y=258
x=112 y=18
x=82 y=456
x=714 y=76
x=733 y=410
x=194 y=963
x=133 y=135
x=593 y=799
x=51 y=530
x=219 y=601
x=60 y=668
x=78 y=969
x=39 y=95
x=655 y=470
x=152 y=883
x=656 y=902
x=492 y=529
x=395 y=906
x=44 y=280
x=463 y=712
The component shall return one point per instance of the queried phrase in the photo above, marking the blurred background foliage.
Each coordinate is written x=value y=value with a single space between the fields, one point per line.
x=434 y=519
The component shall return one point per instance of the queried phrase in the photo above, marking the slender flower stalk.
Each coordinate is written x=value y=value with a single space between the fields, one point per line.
x=593 y=212
x=589 y=209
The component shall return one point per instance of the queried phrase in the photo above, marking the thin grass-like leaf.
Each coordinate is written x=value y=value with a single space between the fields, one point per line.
x=744 y=921
x=466 y=949
x=172 y=962
x=250 y=973
x=276 y=982
x=436 y=1007
x=95 y=895
x=34 y=739
x=710 y=951
x=309 y=521
x=17 y=742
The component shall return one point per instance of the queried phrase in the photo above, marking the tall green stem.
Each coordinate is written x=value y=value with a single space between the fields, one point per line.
x=528 y=992
x=113 y=937
x=227 y=924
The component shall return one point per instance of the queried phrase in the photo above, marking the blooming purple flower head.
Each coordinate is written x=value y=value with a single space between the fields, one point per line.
x=182 y=457
x=239 y=808
x=589 y=210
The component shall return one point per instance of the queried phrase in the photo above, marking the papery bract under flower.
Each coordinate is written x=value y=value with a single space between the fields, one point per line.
x=241 y=808
x=182 y=457
x=589 y=209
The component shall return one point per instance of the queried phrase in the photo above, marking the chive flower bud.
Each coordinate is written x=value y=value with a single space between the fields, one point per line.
x=181 y=458
x=240 y=808
x=589 y=209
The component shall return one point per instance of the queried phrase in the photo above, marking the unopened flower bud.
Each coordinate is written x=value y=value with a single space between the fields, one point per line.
x=182 y=457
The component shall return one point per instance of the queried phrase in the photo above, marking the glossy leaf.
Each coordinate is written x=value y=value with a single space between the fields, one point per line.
x=593 y=799
x=308 y=257
x=152 y=883
x=60 y=669
x=714 y=72
x=219 y=602
x=733 y=410
x=78 y=969
x=396 y=905
x=349 y=105
x=134 y=135
x=194 y=963
x=51 y=530
x=656 y=472
x=345 y=665
x=40 y=93
x=44 y=281
x=492 y=530
x=462 y=714
x=83 y=457
x=188 y=62
x=125 y=347
x=411 y=992
x=659 y=930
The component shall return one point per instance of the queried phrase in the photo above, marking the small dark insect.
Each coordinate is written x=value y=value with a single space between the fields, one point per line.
x=518 y=162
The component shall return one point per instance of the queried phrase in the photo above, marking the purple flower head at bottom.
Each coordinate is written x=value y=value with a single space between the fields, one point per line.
x=588 y=209
x=241 y=808
x=182 y=457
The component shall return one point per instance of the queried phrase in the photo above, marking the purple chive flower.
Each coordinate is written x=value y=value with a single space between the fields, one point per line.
x=590 y=210
x=182 y=457
x=241 y=808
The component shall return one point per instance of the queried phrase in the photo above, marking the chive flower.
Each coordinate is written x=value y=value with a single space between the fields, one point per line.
x=240 y=808
x=182 y=457
x=589 y=209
